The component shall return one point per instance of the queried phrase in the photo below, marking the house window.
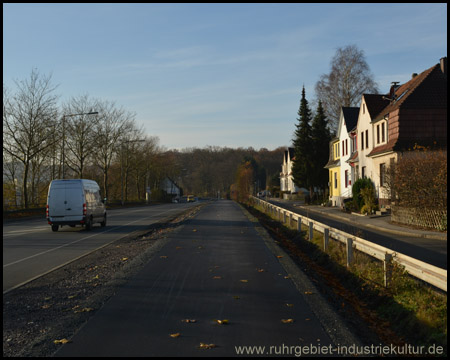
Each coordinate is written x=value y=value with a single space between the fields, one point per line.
x=367 y=139
x=346 y=178
x=343 y=149
x=383 y=137
x=382 y=174
x=335 y=180
x=346 y=146
x=363 y=172
x=378 y=134
x=362 y=140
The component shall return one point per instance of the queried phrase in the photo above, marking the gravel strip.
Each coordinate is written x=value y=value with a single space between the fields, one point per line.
x=53 y=307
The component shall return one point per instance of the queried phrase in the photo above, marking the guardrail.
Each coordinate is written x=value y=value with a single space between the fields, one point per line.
x=426 y=272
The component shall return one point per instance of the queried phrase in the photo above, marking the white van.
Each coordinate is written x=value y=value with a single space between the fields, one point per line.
x=75 y=202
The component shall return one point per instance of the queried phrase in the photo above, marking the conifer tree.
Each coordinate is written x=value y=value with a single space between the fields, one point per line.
x=303 y=155
x=321 y=138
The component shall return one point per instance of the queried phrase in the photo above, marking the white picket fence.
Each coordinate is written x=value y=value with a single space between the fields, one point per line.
x=426 y=272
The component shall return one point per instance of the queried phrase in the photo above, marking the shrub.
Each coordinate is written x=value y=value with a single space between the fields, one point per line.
x=356 y=191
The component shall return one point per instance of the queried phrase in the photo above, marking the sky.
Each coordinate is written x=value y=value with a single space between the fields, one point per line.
x=227 y=75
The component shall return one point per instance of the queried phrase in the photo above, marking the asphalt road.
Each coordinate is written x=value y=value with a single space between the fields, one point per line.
x=431 y=251
x=31 y=248
x=215 y=267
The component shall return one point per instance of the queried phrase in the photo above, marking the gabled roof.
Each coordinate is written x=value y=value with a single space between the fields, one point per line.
x=351 y=117
x=425 y=95
x=428 y=90
x=375 y=103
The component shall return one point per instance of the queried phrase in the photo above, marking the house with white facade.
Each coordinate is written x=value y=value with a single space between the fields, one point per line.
x=347 y=123
x=371 y=105
x=286 y=178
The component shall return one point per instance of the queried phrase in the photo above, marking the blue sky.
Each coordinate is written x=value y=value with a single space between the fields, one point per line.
x=214 y=74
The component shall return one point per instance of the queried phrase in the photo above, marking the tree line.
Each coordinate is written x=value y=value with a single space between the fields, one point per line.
x=83 y=138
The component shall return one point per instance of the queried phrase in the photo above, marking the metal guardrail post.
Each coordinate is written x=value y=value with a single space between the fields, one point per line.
x=326 y=235
x=349 y=251
x=299 y=224
x=387 y=265
x=310 y=231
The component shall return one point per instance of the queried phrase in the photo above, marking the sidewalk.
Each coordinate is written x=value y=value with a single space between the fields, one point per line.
x=381 y=223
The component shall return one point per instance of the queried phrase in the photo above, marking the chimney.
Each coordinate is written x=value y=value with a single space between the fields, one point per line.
x=413 y=75
x=444 y=65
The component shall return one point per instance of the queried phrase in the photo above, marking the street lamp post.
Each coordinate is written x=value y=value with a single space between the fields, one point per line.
x=64 y=135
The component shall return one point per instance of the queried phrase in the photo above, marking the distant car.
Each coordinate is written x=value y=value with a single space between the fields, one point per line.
x=74 y=202
x=190 y=198
x=264 y=193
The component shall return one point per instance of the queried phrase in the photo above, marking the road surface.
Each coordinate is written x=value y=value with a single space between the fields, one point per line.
x=31 y=248
x=217 y=266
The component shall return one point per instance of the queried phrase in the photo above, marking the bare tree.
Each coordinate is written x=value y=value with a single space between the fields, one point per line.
x=80 y=141
x=349 y=78
x=113 y=124
x=29 y=117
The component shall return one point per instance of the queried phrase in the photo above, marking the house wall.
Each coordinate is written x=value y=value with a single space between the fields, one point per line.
x=381 y=191
x=345 y=152
x=365 y=132
x=335 y=186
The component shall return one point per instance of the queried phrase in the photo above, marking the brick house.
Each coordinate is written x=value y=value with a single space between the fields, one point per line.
x=416 y=114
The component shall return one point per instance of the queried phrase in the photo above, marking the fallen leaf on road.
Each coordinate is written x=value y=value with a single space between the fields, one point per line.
x=287 y=321
x=194 y=230
x=84 y=310
x=217 y=277
x=279 y=256
x=290 y=305
x=236 y=297
x=206 y=346
x=163 y=257
x=175 y=335
x=244 y=281
x=222 y=322
x=189 y=320
x=46 y=306
x=287 y=277
x=62 y=341
x=308 y=292
x=124 y=259
x=71 y=296
x=260 y=270
x=178 y=248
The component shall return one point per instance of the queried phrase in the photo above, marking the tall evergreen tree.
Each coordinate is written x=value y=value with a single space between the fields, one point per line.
x=303 y=154
x=321 y=137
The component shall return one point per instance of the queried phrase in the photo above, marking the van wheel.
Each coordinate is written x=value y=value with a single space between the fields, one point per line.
x=103 y=223
x=55 y=227
x=88 y=224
